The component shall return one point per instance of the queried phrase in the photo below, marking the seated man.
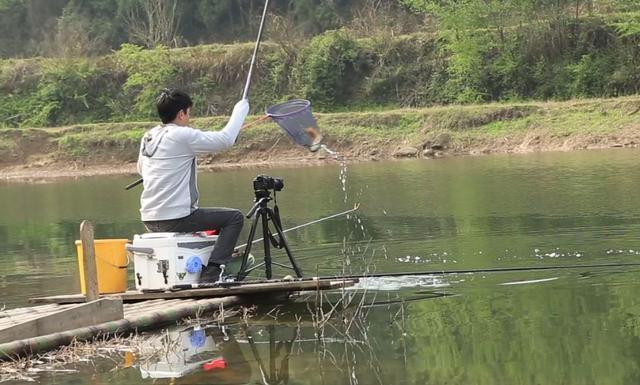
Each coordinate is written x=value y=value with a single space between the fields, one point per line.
x=167 y=164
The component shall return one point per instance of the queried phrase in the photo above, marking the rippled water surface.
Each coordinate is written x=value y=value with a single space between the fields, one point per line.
x=565 y=326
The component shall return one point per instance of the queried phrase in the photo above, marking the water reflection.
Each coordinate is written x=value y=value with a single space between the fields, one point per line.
x=493 y=211
x=539 y=328
x=546 y=327
x=575 y=327
x=182 y=351
x=323 y=338
x=261 y=351
x=235 y=354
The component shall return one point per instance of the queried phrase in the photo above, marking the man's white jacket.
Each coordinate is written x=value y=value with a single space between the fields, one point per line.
x=167 y=164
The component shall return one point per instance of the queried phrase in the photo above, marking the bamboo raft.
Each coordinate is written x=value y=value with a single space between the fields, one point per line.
x=29 y=330
x=63 y=319
x=244 y=289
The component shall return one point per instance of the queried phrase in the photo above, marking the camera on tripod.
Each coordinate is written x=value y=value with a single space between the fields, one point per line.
x=265 y=216
x=263 y=183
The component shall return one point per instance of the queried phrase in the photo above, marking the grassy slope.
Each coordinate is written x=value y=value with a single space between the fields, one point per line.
x=505 y=127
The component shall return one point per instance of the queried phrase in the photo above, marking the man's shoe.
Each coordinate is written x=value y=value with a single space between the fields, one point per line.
x=212 y=273
x=233 y=266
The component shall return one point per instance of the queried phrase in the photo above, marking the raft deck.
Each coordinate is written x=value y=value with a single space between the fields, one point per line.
x=245 y=288
x=62 y=319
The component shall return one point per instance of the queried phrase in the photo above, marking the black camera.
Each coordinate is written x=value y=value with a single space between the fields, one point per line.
x=264 y=182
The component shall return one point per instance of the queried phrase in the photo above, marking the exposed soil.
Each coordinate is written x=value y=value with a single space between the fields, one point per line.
x=429 y=133
x=32 y=162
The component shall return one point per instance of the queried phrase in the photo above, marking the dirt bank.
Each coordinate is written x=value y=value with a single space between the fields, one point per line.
x=107 y=149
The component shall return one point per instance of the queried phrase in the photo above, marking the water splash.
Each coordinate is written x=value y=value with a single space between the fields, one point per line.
x=359 y=248
x=403 y=282
x=343 y=169
x=334 y=154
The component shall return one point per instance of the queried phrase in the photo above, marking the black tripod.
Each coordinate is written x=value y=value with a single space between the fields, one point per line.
x=261 y=212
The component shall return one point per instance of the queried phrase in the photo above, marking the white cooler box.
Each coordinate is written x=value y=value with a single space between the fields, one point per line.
x=163 y=260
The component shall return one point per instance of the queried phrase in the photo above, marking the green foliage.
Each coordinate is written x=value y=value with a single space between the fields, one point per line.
x=72 y=146
x=628 y=25
x=500 y=58
x=589 y=75
x=502 y=50
x=56 y=93
x=406 y=71
x=11 y=27
x=148 y=72
x=328 y=68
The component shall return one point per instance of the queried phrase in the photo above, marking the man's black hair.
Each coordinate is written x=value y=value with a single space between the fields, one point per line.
x=170 y=102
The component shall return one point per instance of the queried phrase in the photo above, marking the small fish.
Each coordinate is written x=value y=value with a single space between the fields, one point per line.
x=316 y=138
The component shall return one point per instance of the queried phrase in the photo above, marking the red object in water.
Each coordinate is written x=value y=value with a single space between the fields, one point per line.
x=211 y=232
x=218 y=363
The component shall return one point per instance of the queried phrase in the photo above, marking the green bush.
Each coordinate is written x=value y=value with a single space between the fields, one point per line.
x=148 y=72
x=329 y=67
x=61 y=94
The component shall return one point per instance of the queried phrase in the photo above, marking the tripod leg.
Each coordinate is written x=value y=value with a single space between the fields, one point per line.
x=266 y=242
x=245 y=256
x=283 y=241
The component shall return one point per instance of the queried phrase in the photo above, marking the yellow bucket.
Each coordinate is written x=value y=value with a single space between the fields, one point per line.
x=111 y=265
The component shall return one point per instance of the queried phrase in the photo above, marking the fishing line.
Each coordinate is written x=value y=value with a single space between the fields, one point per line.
x=309 y=223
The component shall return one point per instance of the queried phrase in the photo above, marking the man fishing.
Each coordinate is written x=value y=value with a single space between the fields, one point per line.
x=167 y=164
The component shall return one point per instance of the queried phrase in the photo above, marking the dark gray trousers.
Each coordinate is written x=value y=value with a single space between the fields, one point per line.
x=228 y=221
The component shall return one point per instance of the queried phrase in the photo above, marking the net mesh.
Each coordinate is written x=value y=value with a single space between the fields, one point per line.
x=295 y=117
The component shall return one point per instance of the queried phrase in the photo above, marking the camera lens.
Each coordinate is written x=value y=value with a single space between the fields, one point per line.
x=278 y=184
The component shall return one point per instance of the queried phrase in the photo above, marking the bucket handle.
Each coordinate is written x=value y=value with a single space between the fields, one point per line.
x=113 y=264
x=127 y=247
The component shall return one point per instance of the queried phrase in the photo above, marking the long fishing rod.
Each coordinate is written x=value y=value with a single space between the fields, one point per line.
x=484 y=270
x=422 y=273
x=245 y=94
x=309 y=223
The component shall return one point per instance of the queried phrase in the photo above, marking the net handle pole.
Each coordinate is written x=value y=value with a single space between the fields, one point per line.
x=245 y=94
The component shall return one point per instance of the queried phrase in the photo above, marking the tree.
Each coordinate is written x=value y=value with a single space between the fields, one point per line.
x=154 y=22
x=13 y=25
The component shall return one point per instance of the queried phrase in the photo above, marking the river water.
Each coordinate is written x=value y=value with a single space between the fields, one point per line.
x=571 y=326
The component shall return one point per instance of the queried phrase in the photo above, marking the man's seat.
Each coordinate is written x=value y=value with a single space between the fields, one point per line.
x=165 y=260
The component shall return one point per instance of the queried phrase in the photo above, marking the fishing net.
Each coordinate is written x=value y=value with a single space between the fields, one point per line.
x=294 y=116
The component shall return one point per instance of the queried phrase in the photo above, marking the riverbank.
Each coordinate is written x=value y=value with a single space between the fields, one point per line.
x=111 y=148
